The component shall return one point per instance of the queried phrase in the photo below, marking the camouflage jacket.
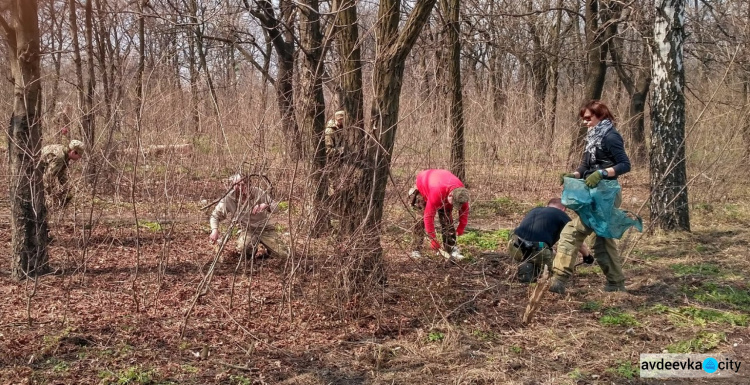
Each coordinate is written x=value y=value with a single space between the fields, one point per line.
x=334 y=139
x=231 y=204
x=54 y=162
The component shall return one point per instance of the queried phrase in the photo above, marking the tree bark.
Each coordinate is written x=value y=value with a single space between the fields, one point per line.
x=314 y=111
x=28 y=213
x=89 y=120
x=281 y=33
x=458 y=158
x=596 y=45
x=669 y=194
x=73 y=18
x=372 y=155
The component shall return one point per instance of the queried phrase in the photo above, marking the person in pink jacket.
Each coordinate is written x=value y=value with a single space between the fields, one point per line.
x=436 y=192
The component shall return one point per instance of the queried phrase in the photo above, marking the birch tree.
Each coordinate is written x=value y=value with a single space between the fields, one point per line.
x=669 y=195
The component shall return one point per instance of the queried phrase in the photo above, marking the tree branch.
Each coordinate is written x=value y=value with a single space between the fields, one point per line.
x=247 y=56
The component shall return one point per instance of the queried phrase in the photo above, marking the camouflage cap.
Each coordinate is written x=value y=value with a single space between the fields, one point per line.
x=77 y=146
x=460 y=196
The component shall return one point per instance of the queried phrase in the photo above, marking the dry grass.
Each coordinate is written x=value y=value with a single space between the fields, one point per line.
x=278 y=321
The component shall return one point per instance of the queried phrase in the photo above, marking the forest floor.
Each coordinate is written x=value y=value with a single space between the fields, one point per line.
x=123 y=310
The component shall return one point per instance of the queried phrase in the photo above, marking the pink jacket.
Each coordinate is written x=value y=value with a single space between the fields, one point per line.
x=435 y=185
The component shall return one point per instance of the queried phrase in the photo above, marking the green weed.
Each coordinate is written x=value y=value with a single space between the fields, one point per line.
x=591 y=306
x=485 y=240
x=721 y=295
x=484 y=335
x=707 y=269
x=617 y=317
x=711 y=315
x=625 y=369
x=435 y=336
x=516 y=349
x=576 y=374
x=152 y=226
x=131 y=375
x=240 y=380
x=59 y=366
x=702 y=343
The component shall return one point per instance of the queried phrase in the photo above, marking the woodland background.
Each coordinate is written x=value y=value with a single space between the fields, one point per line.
x=139 y=296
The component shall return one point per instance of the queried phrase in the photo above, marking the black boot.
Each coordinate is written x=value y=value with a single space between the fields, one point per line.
x=526 y=272
x=558 y=286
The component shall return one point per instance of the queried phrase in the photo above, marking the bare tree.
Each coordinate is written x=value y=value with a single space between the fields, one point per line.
x=452 y=24
x=311 y=78
x=669 y=195
x=28 y=211
x=360 y=227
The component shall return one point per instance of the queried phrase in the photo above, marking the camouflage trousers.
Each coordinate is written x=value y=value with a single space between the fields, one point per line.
x=57 y=197
x=247 y=242
x=418 y=203
x=605 y=251
x=538 y=259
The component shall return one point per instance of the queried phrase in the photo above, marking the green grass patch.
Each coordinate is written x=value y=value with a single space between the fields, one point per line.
x=625 y=369
x=131 y=375
x=484 y=335
x=694 y=316
x=617 y=317
x=485 y=240
x=712 y=293
x=706 y=269
x=435 y=336
x=591 y=306
x=704 y=316
x=576 y=374
x=151 y=226
x=516 y=349
x=703 y=342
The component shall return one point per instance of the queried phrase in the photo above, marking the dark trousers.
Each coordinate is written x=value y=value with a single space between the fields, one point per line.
x=418 y=203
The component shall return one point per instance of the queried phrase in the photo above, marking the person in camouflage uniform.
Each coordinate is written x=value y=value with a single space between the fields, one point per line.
x=250 y=208
x=54 y=163
x=335 y=141
x=531 y=242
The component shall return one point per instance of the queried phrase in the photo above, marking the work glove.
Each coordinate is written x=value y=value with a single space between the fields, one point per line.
x=588 y=259
x=434 y=244
x=566 y=175
x=594 y=179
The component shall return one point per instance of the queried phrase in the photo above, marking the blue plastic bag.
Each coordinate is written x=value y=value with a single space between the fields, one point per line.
x=596 y=207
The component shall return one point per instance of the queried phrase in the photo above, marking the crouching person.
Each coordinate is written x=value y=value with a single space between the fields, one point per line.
x=54 y=164
x=531 y=242
x=250 y=209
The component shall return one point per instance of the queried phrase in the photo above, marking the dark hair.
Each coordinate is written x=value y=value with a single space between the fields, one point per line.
x=599 y=109
x=555 y=201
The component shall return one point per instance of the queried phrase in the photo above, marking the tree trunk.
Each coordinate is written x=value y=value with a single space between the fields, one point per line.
x=364 y=203
x=89 y=120
x=314 y=111
x=28 y=213
x=669 y=195
x=554 y=76
x=596 y=46
x=73 y=18
x=281 y=33
x=458 y=158
x=637 y=118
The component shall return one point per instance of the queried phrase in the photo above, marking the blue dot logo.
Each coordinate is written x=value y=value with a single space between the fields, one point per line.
x=710 y=365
